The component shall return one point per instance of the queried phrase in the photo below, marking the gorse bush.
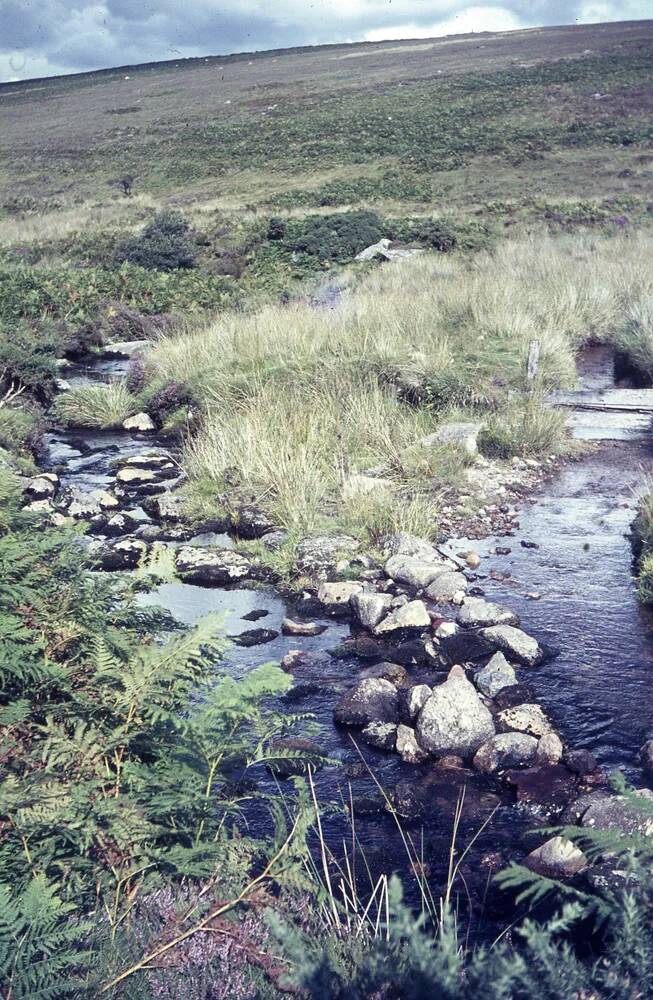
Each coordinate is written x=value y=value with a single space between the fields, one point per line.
x=165 y=244
x=337 y=237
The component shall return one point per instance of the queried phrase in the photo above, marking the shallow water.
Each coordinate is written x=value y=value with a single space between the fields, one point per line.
x=598 y=690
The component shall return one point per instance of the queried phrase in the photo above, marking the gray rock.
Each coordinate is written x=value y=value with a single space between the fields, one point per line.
x=446 y=587
x=407 y=746
x=140 y=422
x=393 y=672
x=580 y=761
x=41 y=488
x=119 y=524
x=505 y=750
x=402 y=543
x=318 y=557
x=621 y=815
x=466 y=646
x=515 y=644
x=408 y=617
x=125 y=348
x=291 y=627
x=166 y=507
x=370 y=608
x=273 y=540
x=461 y=435
x=414 y=571
x=549 y=749
x=158 y=461
x=134 y=476
x=125 y=554
x=381 y=735
x=525 y=719
x=416 y=698
x=557 y=858
x=454 y=719
x=646 y=757
x=498 y=674
x=213 y=568
x=338 y=593
x=372 y=700
x=477 y=613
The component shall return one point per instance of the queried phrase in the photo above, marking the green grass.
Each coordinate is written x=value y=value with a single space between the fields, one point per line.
x=100 y=406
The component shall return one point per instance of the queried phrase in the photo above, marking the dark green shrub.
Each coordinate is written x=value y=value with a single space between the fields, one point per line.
x=334 y=237
x=28 y=355
x=276 y=229
x=164 y=245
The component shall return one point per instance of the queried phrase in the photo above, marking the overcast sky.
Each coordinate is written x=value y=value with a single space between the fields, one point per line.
x=49 y=37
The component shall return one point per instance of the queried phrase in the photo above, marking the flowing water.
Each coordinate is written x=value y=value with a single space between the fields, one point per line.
x=573 y=591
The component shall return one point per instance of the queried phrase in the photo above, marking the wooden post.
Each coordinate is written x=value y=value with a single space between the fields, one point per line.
x=533 y=363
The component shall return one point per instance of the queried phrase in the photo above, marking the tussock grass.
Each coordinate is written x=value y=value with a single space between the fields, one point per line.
x=101 y=406
x=295 y=398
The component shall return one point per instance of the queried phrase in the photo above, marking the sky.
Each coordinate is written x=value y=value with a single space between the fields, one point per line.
x=51 y=37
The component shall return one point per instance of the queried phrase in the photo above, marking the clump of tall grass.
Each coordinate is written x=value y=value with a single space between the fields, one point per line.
x=296 y=398
x=100 y=406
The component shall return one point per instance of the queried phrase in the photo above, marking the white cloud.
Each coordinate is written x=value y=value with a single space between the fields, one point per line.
x=468 y=20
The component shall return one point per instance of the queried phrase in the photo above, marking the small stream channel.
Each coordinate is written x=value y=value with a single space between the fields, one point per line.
x=598 y=691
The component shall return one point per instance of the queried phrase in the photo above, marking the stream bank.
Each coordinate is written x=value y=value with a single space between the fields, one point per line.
x=565 y=569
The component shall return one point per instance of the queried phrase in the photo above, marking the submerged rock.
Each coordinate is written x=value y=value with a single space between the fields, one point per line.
x=372 y=700
x=296 y=755
x=212 y=568
x=557 y=858
x=454 y=719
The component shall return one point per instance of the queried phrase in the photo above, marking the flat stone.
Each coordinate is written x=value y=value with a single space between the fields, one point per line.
x=495 y=676
x=549 y=785
x=454 y=719
x=407 y=746
x=410 y=616
x=213 y=568
x=135 y=476
x=370 y=608
x=446 y=587
x=415 y=572
x=339 y=592
x=556 y=858
x=515 y=644
x=478 y=613
x=371 y=700
x=125 y=554
x=505 y=750
x=40 y=488
x=466 y=647
x=525 y=719
x=291 y=627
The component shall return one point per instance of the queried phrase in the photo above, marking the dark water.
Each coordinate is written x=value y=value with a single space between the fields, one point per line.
x=598 y=691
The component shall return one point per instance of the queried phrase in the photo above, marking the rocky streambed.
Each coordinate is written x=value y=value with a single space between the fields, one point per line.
x=515 y=667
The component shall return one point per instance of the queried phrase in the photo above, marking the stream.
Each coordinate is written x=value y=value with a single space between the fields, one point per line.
x=573 y=590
